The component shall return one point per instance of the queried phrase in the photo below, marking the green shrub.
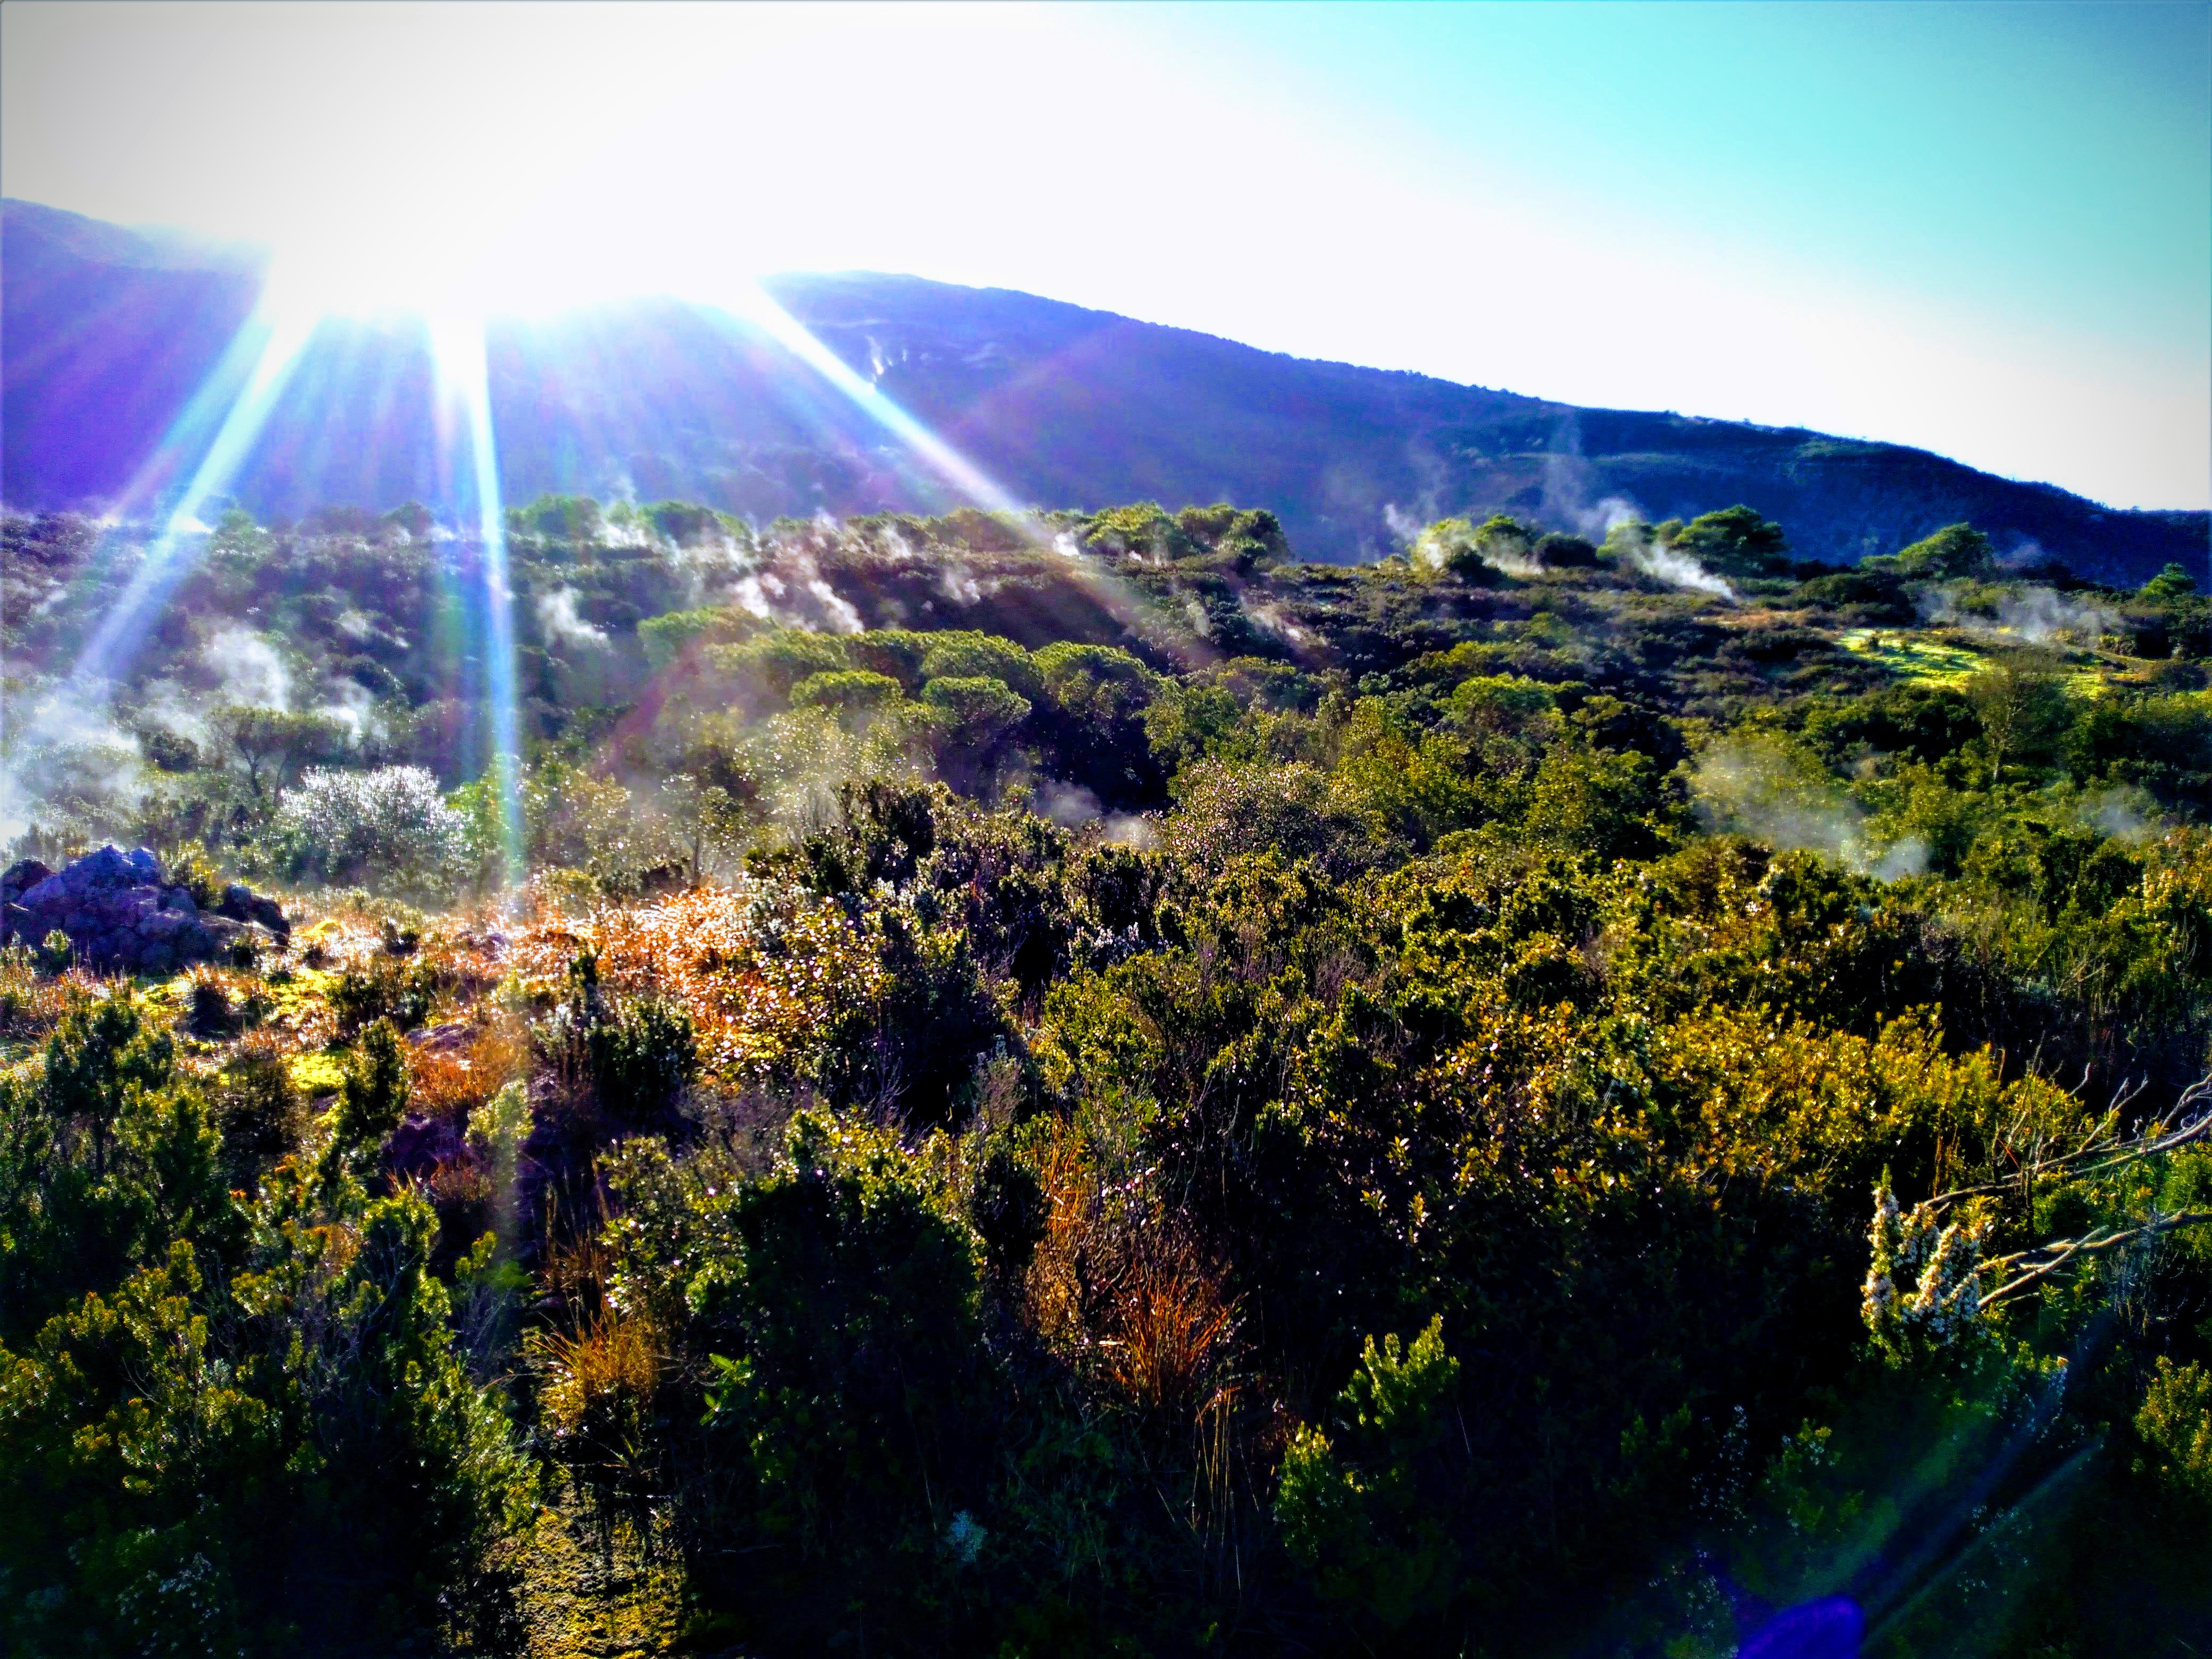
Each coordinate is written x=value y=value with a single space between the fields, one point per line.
x=372 y=1099
x=1367 y=1512
x=643 y=1059
x=851 y=1395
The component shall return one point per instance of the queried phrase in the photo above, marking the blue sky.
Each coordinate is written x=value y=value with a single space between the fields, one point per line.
x=2052 y=161
x=1986 y=229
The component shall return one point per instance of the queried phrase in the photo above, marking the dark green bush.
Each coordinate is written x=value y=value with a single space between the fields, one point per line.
x=643 y=1057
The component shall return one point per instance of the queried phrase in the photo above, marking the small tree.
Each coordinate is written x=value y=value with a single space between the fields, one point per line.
x=390 y=825
x=270 y=745
x=2023 y=710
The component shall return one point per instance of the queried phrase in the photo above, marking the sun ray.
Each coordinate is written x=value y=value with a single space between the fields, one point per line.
x=750 y=303
x=284 y=334
x=457 y=348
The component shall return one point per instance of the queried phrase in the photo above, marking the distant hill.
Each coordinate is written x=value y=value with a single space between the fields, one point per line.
x=106 y=333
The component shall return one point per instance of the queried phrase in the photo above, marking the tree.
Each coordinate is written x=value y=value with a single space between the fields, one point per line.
x=2023 y=707
x=1956 y=551
x=970 y=715
x=850 y=694
x=2175 y=582
x=1736 y=541
x=271 y=744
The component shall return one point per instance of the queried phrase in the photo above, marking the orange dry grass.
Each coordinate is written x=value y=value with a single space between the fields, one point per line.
x=1055 y=1286
x=609 y=1364
x=1172 y=1327
x=453 y=1082
x=30 y=1007
x=765 y=973
x=1115 y=1285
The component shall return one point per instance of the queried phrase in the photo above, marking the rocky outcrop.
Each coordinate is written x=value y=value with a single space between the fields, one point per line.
x=119 y=915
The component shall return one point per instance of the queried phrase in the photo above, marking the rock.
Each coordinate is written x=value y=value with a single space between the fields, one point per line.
x=19 y=879
x=453 y=1034
x=420 y=1145
x=52 y=890
x=119 y=915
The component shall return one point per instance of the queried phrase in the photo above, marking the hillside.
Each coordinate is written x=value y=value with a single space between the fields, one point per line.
x=106 y=333
x=1080 y=1086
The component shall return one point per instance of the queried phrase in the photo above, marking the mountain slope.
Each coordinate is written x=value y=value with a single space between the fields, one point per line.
x=106 y=332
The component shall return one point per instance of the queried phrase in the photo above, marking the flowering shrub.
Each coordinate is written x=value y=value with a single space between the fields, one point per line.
x=1924 y=1281
x=388 y=828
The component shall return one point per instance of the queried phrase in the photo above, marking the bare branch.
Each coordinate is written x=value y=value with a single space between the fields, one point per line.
x=2059 y=1252
x=2189 y=1120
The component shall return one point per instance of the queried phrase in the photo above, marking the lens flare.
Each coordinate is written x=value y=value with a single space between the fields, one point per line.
x=457 y=350
x=281 y=335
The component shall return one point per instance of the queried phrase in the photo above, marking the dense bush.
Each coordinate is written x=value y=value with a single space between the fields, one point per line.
x=388 y=828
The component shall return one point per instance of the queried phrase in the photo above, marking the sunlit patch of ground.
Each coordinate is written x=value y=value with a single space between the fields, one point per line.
x=1911 y=653
x=1933 y=659
x=583 y=1595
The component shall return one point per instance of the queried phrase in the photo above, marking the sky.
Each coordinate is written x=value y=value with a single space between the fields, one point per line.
x=1984 y=229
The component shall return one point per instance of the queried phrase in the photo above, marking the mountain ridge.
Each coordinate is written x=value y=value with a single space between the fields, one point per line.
x=108 y=331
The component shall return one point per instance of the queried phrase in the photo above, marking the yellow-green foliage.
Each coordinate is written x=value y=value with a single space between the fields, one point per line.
x=1913 y=655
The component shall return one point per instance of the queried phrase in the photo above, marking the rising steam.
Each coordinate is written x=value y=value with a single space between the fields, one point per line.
x=1761 y=787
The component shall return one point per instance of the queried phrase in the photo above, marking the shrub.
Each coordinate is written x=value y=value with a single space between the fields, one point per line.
x=852 y=1392
x=373 y=1097
x=1360 y=1510
x=643 y=1056
x=106 y=1158
x=292 y=1460
x=56 y=952
x=386 y=988
x=259 y=1111
x=2175 y=1425
x=387 y=827
x=1009 y=1207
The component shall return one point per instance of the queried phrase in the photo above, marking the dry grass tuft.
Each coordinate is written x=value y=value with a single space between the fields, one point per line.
x=30 y=1007
x=608 y=1362
x=1126 y=1294
x=1173 y=1329
x=220 y=1002
x=452 y=1081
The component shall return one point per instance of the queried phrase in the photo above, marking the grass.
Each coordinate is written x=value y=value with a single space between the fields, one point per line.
x=1918 y=656
x=1913 y=654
